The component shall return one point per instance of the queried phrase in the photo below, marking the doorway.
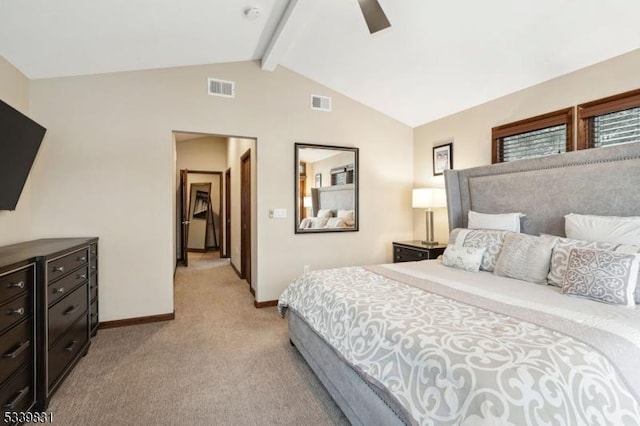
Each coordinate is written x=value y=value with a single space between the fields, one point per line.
x=236 y=158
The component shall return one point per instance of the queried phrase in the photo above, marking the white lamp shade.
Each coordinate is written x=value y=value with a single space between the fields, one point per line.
x=306 y=201
x=425 y=198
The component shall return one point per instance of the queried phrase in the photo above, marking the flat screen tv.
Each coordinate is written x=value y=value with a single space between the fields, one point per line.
x=20 y=138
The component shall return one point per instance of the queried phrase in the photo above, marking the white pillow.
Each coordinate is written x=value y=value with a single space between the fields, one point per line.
x=336 y=222
x=499 y=222
x=325 y=213
x=465 y=258
x=347 y=216
x=603 y=229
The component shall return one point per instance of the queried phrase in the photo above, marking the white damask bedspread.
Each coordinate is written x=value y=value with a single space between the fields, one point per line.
x=451 y=356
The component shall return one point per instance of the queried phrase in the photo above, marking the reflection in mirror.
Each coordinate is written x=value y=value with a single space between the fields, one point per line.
x=326 y=188
x=199 y=210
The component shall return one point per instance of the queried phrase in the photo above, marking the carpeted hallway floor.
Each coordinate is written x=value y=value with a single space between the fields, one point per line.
x=220 y=362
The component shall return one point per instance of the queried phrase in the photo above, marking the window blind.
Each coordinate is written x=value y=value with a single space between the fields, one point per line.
x=616 y=127
x=537 y=143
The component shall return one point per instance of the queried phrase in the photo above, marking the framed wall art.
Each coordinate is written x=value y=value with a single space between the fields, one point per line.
x=442 y=158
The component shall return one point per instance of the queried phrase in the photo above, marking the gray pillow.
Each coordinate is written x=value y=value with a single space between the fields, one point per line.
x=560 y=255
x=525 y=257
x=601 y=275
x=490 y=240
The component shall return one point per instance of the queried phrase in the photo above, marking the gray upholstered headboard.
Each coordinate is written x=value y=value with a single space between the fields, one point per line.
x=337 y=197
x=603 y=181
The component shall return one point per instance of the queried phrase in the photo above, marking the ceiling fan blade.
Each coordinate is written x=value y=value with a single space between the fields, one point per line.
x=374 y=15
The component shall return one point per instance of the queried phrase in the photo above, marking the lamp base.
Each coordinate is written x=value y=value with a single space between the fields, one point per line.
x=430 y=243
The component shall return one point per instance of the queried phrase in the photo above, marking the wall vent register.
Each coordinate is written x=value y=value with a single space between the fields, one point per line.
x=320 y=103
x=224 y=88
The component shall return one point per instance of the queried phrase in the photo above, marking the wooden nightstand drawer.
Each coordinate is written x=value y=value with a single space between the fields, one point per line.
x=411 y=251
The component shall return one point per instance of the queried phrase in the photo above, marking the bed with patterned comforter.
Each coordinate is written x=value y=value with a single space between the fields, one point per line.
x=454 y=347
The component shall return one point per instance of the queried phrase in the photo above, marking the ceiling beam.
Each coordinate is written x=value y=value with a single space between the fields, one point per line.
x=283 y=37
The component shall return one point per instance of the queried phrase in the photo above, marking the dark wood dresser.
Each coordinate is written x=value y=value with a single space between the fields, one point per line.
x=58 y=313
x=410 y=251
x=17 y=335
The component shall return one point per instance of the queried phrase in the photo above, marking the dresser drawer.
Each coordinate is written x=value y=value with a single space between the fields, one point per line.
x=18 y=393
x=94 y=265
x=93 y=314
x=15 y=283
x=66 y=349
x=16 y=310
x=93 y=287
x=60 y=267
x=66 y=311
x=16 y=348
x=63 y=286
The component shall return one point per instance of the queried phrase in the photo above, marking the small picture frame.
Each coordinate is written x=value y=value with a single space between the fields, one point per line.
x=318 y=180
x=442 y=158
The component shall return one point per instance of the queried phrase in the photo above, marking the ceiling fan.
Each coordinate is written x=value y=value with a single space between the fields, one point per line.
x=374 y=15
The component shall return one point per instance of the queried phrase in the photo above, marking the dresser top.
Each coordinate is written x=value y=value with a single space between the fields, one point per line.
x=16 y=255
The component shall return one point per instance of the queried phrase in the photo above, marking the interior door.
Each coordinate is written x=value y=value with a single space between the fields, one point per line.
x=227 y=213
x=245 y=216
x=184 y=219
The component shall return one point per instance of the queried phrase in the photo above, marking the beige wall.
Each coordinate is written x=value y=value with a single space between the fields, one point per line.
x=471 y=129
x=15 y=226
x=108 y=169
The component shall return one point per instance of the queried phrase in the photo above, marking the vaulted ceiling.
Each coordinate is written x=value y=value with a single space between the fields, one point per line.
x=438 y=57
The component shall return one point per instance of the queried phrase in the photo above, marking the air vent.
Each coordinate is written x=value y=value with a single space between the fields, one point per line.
x=320 y=103
x=222 y=88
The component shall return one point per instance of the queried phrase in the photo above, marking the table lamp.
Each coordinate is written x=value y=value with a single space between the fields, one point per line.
x=429 y=199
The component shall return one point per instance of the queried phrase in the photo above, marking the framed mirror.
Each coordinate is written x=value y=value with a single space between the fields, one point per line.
x=326 y=188
x=199 y=215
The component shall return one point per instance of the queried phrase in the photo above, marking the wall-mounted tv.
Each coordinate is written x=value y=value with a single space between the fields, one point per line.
x=20 y=138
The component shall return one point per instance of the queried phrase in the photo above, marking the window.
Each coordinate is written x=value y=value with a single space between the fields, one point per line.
x=609 y=121
x=539 y=136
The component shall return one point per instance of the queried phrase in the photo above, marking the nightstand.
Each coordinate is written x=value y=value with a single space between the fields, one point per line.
x=409 y=251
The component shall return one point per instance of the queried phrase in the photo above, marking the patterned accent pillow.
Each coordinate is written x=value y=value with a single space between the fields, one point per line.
x=560 y=255
x=602 y=275
x=465 y=258
x=525 y=257
x=629 y=249
x=490 y=240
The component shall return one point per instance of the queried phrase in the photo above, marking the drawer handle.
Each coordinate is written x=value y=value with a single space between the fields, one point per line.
x=93 y=252
x=19 y=284
x=19 y=312
x=69 y=347
x=58 y=290
x=81 y=258
x=93 y=267
x=70 y=310
x=82 y=276
x=17 y=351
x=15 y=401
x=58 y=269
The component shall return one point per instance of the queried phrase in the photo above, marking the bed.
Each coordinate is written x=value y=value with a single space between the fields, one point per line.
x=423 y=343
x=333 y=207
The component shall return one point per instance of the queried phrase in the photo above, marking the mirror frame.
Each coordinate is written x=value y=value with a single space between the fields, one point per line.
x=296 y=176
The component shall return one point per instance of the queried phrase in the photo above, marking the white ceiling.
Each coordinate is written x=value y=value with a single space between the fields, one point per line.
x=439 y=57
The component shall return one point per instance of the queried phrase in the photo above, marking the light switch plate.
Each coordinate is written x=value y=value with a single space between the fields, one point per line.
x=278 y=213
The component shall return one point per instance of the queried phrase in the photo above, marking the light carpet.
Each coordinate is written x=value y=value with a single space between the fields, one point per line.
x=220 y=362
